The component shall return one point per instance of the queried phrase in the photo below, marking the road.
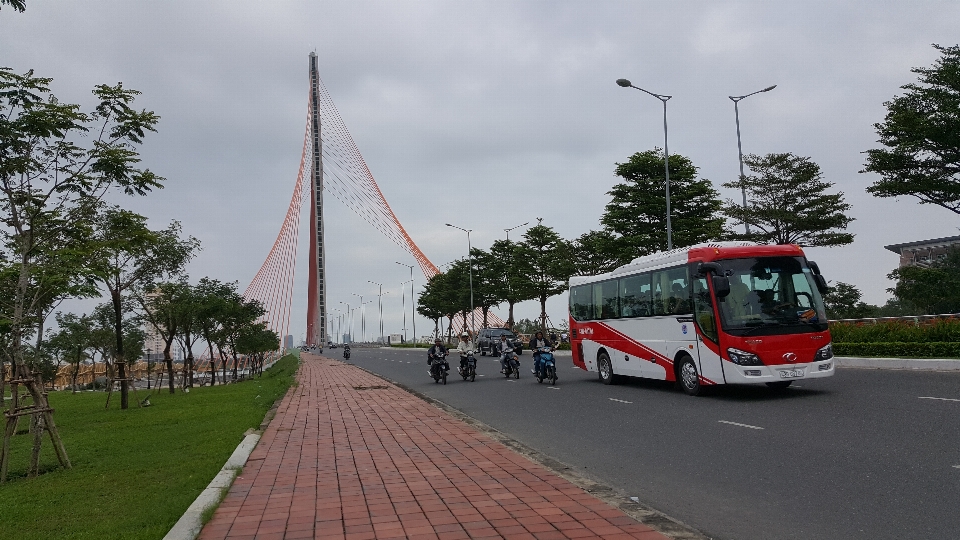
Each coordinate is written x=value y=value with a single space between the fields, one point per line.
x=866 y=454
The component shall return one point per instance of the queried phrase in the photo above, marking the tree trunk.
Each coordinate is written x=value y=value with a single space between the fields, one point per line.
x=543 y=313
x=510 y=321
x=168 y=359
x=118 y=358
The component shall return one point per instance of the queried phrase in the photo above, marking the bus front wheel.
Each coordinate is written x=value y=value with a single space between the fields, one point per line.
x=605 y=368
x=688 y=377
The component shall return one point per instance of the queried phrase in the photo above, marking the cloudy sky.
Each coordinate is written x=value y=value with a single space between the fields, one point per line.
x=485 y=114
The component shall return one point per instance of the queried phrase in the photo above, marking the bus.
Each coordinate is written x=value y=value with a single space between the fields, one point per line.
x=705 y=315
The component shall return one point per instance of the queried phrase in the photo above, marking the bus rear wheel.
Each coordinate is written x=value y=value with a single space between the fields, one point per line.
x=688 y=377
x=605 y=368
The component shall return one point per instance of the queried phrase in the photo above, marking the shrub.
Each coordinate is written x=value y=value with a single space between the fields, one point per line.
x=900 y=331
x=894 y=349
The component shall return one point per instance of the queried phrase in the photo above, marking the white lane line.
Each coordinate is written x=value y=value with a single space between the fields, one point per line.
x=939 y=398
x=554 y=387
x=510 y=380
x=481 y=375
x=618 y=400
x=956 y=466
x=739 y=424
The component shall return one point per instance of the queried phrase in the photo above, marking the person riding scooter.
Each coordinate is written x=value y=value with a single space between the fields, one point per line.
x=506 y=352
x=465 y=346
x=438 y=352
x=536 y=343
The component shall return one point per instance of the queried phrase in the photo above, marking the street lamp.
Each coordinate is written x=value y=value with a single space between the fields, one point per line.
x=349 y=320
x=379 y=304
x=473 y=325
x=512 y=228
x=403 y=308
x=413 y=304
x=736 y=111
x=363 y=320
x=666 y=152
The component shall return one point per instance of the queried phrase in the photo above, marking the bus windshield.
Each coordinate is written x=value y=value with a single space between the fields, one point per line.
x=771 y=295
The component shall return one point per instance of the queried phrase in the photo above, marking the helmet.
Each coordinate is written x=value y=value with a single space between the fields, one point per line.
x=438 y=340
x=464 y=335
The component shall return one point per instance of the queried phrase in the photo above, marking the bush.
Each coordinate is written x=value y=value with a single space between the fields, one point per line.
x=898 y=331
x=895 y=349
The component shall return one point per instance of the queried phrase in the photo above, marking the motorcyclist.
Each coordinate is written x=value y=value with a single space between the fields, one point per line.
x=437 y=352
x=536 y=343
x=465 y=346
x=346 y=351
x=506 y=351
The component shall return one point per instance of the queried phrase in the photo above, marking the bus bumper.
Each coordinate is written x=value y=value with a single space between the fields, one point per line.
x=736 y=374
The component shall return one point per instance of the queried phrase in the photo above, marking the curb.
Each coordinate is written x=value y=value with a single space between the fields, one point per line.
x=917 y=364
x=191 y=522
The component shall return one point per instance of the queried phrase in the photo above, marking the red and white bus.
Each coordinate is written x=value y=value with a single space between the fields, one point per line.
x=710 y=314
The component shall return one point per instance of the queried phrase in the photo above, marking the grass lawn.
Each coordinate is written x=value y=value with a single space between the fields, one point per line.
x=136 y=471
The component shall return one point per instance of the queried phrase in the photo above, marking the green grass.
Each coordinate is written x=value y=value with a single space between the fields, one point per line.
x=136 y=471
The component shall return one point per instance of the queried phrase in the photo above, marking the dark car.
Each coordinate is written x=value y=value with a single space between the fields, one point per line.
x=488 y=341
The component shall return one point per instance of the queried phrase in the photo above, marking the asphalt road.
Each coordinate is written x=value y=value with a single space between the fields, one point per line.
x=865 y=454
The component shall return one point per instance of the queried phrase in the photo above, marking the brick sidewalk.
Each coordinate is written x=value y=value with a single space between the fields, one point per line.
x=350 y=456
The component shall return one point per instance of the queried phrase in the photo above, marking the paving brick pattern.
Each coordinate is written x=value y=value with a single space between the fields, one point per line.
x=350 y=456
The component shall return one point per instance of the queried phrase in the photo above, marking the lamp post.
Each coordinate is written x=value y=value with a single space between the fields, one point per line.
x=473 y=325
x=363 y=320
x=666 y=152
x=413 y=305
x=403 y=306
x=379 y=304
x=512 y=228
x=736 y=111
x=349 y=320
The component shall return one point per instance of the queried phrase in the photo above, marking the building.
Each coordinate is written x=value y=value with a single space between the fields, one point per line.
x=287 y=342
x=924 y=252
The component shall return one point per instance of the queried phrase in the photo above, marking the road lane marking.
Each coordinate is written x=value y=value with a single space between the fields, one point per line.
x=739 y=424
x=510 y=380
x=956 y=466
x=939 y=398
x=618 y=400
x=554 y=387
x=481 y=375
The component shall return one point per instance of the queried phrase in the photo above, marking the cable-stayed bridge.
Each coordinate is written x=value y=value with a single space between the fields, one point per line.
x=331 y=164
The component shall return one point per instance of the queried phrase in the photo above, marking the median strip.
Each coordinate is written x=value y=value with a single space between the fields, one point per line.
x=738 y=424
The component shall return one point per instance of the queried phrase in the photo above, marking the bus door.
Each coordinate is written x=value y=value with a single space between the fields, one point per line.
x=708 y=336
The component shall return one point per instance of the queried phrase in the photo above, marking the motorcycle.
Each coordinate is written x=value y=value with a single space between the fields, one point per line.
x=548 y=366
x=438 y=367
x=346 y=352
x=512 y=363
x=469 y=368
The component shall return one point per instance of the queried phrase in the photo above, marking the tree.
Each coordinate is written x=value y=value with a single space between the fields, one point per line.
x=931 y=290
x=161 y=304
x=72 y=341
x=513 y=286
x=255 y=340
x=48 y=184
x=213 y=299
x=844 y=301
x=430 y=303
x=596 y=252
x=546 y=266
x=129 y=254
x=239 y=315
x=789 y=203
x=921 y=133
x=18 y=5
x=637 y=214
x=487 y=282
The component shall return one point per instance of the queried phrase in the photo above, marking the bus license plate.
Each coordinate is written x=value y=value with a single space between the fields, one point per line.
x=791 y=373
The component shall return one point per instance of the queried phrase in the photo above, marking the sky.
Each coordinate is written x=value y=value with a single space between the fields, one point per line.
x=484 y=114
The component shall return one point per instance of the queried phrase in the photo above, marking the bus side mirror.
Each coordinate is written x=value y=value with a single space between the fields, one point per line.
x=721 y=286
x=704 y=268
x=821 y=283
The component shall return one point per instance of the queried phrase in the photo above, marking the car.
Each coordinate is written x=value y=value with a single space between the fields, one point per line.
x=488 y=341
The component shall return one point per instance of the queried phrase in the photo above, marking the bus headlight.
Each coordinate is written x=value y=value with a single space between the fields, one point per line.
x=743 y=358
x=824 y=353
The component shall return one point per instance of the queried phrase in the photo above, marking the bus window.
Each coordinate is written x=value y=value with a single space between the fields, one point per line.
x=581 y=302
x=605 y=300
x=671 y=292
x=635 y=296
x=703 y=307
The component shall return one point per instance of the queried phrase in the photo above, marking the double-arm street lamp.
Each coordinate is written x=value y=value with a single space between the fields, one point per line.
x=736 y=111
x=666 y=152
x=473 y=325
x=379 y=304
x=413 y=306
x=512 y=228
x=349 y=320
